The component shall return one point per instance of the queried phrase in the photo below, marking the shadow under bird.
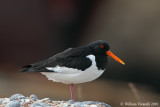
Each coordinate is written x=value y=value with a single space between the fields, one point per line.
x=75 y=65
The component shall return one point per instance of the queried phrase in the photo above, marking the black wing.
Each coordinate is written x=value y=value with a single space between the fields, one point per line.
x=71 y=58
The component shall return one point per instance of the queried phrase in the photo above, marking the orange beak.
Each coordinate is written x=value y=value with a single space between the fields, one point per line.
x=109 y=53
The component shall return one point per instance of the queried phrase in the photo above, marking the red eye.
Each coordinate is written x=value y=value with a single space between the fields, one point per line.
x=102 y=46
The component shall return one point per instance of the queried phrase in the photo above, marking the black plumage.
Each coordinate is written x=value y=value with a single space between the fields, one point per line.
x=73 y=58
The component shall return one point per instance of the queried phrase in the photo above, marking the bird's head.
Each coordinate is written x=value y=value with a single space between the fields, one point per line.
x=101 y=47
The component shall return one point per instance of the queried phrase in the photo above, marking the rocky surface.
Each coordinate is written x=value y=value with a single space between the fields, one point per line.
x=18 y=100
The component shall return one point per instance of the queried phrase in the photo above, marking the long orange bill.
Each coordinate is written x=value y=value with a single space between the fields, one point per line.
x=109 y=53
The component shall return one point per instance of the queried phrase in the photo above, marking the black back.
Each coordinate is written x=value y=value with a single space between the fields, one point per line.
x=71 y=58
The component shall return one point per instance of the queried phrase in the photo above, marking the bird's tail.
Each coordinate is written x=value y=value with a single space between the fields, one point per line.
x=28 y=68
x=33 y=68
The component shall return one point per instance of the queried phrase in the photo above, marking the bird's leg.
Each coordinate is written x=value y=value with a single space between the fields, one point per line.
x=72 y=91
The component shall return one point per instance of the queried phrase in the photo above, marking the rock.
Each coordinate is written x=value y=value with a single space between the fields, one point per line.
x=16 y=97
x=56 y=102
x=2 y=105
x=6 y=100
x=18 y=100
x=89 y=103
x=79 y=104
x=23 y=101
x=66 y=105
x=107 y=105
x=27 y=100
x=13 y=104
x=33 y=97
x=1 y=100
x=45 y=100
x=21 y=97
x=70 y=101
x=40 y=105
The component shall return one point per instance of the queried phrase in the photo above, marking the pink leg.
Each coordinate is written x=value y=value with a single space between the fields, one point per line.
x=72 y=91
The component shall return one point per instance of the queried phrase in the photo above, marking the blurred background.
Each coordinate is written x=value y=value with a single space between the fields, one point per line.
x=32 y=30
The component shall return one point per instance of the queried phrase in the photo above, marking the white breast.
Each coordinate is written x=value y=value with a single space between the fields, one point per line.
x=75 y=76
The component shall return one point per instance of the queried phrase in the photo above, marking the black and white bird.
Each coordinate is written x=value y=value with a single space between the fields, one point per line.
x=75 y=65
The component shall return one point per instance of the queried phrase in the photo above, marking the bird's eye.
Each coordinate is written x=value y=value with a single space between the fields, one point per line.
x=101 y=46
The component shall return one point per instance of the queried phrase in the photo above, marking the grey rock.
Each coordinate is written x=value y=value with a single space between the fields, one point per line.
x=79 y=104
x=85 y=103
x=48 y=101
x=45 y=100
x=17 y=100
x=107 y=105
x=1 y=100
x=23 y=101
x=16 y=97
x=66 y=104
x=13 y=104
x=102 y=103
x=21 y=97
x=40 y=105
x=70 y=101
x=33 y=97
x=6 y=100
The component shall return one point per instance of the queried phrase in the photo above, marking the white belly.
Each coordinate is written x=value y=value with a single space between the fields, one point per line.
x=75 y=76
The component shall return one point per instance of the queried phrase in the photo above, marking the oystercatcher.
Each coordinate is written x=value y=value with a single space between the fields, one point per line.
x=75 y=65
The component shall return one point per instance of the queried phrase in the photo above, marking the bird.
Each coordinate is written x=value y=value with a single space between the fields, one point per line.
x=75 y=65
